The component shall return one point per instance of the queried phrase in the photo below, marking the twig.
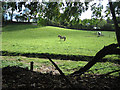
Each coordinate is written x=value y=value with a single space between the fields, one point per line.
x=110 y=73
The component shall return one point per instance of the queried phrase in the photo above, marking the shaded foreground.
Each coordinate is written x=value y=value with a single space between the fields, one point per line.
x=21 y=78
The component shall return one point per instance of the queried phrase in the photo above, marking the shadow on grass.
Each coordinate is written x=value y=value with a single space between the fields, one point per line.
x=58 y=56
x=15 y=26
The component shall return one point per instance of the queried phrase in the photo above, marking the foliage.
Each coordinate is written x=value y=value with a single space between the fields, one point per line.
x=42 y=22
x=108 y=27
x=33 y=7
x=69 y=17
x=52 y=11
x=97 y=10
x=102 y=23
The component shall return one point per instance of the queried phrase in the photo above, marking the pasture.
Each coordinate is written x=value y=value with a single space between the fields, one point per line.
x=35 y=39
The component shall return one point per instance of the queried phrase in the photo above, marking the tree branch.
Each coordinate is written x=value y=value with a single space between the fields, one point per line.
x=60 y=71
x=110 y=73
x=111 y=49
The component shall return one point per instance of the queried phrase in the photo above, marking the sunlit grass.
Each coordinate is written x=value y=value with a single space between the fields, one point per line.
x=34 y=39
x=66 y=66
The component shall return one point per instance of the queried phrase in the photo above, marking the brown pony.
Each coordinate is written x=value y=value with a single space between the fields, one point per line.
x=62 y=37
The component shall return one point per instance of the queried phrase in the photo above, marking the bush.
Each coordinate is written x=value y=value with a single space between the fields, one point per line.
x=108 y=26
x=42 y=22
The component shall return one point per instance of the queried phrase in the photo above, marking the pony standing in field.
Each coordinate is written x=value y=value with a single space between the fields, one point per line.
x=62 y=37
x=99 y=34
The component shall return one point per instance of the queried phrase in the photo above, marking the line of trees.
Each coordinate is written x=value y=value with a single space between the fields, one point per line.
x=65 y=14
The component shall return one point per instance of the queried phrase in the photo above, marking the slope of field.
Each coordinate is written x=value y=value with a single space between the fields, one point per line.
x=35 y=39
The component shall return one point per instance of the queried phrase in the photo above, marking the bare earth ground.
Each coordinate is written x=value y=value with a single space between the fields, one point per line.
x=16 y=78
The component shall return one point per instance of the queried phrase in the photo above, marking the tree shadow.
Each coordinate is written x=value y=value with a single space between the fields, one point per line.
x=16 y=26
x=16 y=78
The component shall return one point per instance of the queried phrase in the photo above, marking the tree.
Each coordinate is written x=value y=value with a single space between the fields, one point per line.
x=17 y=17
x=117 y=28
x=4 y=10
x=33 y=7
x=101 y=23
x=52 y=11
x=13 y=7
x=70 y=12
x=73 y=10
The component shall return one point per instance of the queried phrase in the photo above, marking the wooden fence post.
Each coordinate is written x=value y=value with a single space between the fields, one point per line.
x=31 y=65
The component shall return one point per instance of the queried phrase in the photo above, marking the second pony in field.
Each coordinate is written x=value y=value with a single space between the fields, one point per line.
x=62 y=37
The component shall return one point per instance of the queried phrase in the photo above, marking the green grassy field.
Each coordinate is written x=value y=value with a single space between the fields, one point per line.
x=68 y=67
x=35 y=39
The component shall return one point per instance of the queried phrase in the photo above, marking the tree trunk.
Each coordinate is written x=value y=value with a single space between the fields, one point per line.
x=117 y=28
x=12 y=15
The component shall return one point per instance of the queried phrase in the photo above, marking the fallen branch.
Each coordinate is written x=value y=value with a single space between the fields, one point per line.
x=60 y=71
x=111 y=49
